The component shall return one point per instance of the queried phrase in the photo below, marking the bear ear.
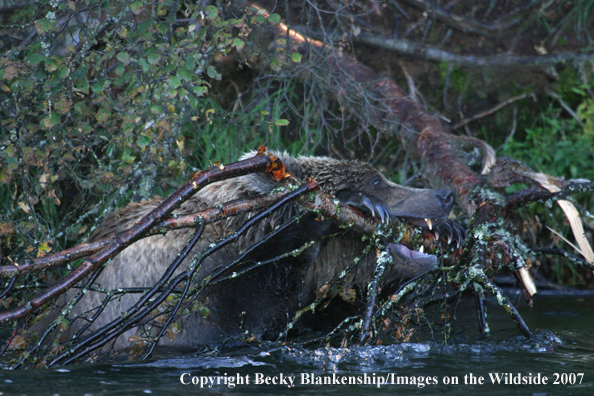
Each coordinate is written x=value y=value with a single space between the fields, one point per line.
x=368 y=204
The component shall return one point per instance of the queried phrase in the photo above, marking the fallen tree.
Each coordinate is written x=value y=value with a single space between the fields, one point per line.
x=444 y=161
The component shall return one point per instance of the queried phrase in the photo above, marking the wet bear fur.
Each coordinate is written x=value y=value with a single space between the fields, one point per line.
x=263 y=301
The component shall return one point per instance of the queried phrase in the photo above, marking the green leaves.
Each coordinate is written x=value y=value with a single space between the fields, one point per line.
x=44 y=25
x=120 y=69
x=127 y=155
x=144 y=26
x=212 y=73
x=200 y=90
x=103 y=115
x=185 y=74
x=238 y=44
x=124 y=57
x=136 y=7
x=174 y=82
x=153 y=58
x=210 y=12
x=51 y=120
x=104 y=105
x=35 y=58
x=63 y=106
x=258 y=19
x=276 y=64
x=274 y=19
x=585 y=112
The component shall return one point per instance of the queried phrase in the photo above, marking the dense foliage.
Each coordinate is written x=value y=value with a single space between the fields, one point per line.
x=97 y=103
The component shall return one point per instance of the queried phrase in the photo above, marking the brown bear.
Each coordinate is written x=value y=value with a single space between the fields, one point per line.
x=261 y=302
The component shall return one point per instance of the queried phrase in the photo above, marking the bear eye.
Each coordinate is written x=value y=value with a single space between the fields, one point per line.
x=377 y=181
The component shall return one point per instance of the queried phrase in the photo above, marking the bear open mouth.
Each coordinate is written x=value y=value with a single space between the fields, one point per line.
x=423 y=222
x=450 y=230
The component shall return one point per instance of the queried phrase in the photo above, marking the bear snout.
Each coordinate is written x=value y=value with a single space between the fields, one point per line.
x=445 y=196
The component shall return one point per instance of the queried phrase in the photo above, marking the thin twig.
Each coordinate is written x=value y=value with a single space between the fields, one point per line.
x=461 y=23
x=412 y=91
x=560 y=252
x=399 y=8
x=371 y=297
x=491 y=111
x=9 y=286
x=505 y=303
x=512 y=132
x=566 y=107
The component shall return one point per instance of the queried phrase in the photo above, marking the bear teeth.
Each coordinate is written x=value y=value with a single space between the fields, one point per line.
x=429 y=223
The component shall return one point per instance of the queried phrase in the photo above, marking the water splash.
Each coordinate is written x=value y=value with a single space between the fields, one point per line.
x=369 y=358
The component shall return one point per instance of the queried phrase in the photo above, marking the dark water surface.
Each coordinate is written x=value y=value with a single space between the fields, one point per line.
x=562 y=351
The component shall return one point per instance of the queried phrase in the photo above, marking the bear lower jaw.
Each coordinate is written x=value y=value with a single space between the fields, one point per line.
x=408 y=254
x=411 y=263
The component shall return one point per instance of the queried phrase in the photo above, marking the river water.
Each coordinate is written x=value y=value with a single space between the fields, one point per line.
x=561 y=353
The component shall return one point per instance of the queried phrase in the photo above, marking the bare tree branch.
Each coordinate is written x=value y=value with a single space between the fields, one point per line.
x=433 y=54
x=123 y=240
